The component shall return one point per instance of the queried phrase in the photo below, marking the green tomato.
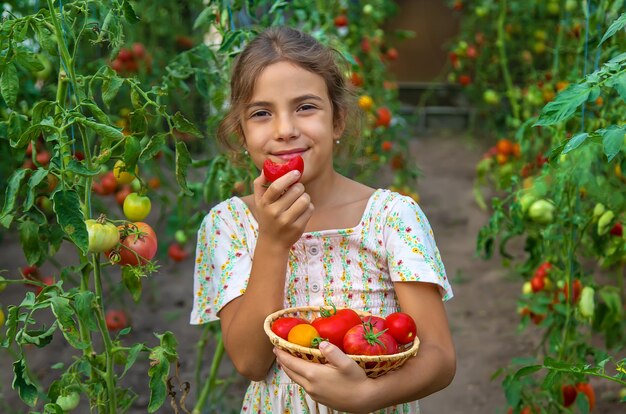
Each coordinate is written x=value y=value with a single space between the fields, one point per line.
x=587 y=305
x=103 y=236
x=136 y=207
x=604 y=222
x=598 y=210
x=541 y=211
x=525 y=201
x=3 y=284
x=68 y=402
x=2 y=318
x=368 y=9
x=491 y=97
x=180 y=236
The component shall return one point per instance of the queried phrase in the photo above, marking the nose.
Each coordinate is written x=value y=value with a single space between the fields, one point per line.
x=286 y=128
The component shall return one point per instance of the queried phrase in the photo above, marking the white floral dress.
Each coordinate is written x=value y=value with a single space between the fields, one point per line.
x=353 y=267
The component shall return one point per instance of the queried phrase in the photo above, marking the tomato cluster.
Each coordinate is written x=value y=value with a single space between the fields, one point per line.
x=353 y=334
x=130 y=60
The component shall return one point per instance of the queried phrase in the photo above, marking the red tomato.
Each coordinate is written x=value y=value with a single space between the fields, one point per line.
x=364 y=340
x=334 y=325
x=122 y=193
x=116 y=320
x=139 y=244
x=176 y=252
x=401 y=327
x=282 y=326
x=383 y=117
x=274 y=171
x=376 y=322
x=537 y=283
x=108 y=183
x=569 y=394
x=587 y=389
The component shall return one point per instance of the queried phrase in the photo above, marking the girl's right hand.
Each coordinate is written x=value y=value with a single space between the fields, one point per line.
x=283 y=209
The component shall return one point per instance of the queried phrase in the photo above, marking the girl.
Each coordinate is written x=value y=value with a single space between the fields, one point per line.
x=314 y=239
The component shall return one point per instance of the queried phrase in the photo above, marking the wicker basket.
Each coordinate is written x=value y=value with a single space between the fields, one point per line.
x=374 y=365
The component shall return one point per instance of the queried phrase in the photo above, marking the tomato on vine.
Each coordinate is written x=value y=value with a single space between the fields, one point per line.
x=176 y=252
x=116 y=319
x=121 y=173
x=138 y=244
x=136 y=207
x=103 y=235
x=68 y=401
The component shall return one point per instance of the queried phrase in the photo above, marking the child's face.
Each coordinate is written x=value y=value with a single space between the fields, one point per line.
x=290 y=114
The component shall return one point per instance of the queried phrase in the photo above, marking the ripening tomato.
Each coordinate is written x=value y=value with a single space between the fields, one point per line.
x=136 y=207
x=103 y=235
x=383 y=117
x=68 y=401
x=303 y=335
x=365 y=340
x=333 y=325
x=401 y=327
x=274 y=171
x=375 y=321
x=121 y=173
x=139 y=244
x=121 y=194
x=569 y=393
x=587 y=389
x=108 y=184
x=282 y=326
x=176 y=252
x=116 y=319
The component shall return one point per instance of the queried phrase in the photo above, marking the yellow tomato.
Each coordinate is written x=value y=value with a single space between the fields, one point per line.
x=366 y=102
x=303 y=335
x=121 y=175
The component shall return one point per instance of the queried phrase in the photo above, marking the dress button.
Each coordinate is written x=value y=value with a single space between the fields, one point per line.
x=314 y=250
x=315 y=287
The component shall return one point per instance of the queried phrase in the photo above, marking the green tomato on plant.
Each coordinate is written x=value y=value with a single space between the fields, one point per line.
x=69 y=401
x=136 y=207
x=103 y=235
x=541 y=211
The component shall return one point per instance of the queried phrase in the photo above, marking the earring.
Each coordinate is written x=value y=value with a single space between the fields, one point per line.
x=337 y=141
x=245 y=152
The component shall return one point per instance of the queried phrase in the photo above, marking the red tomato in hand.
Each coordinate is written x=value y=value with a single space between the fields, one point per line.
x=273 y=171
x=334 y=325
x=365 y=340
x=402 y=327
x=282 y=326
x=139 y=244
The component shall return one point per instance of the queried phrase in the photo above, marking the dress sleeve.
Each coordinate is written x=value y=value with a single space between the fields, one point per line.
x=223 y=264
x=412 y=255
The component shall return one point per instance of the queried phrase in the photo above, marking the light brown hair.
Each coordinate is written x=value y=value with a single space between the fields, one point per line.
x=279 y=44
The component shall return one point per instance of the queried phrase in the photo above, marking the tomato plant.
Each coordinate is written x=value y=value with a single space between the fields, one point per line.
x=273 y=170
x=282 y=326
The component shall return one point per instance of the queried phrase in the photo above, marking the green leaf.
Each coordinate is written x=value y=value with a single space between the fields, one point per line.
x=132 y=357
x=85 y=305
x=39 y=337
x=129 y=12
x=138 y=122
x=527 y=371
x=9 y=84
x=29 y=60
x=613 y=140
x=229 y=39
x=35 y=179
x=24 y=385
x=29 y=239
x=206 y=16
x=550 y=379
x=66 y=204
x=97 y=112
x=42 y=110
x=154 y=145
x=110 y=87
x=575 y=142
x=79 y=168
x=132 y=282
x=615 y=27
x=13 y=188
x=101 y=129
x=65 y=318
x=46 y=38
x=183 y=125
x=33 y=132
x=183 y=160
x=618 y=82
x=564 y=105
x=132 y=149
x=160 y=358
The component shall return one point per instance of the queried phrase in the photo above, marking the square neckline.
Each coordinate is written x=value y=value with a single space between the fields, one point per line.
x=325 y=232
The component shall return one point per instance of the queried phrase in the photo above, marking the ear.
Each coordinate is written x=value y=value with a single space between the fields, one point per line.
x=339 y=124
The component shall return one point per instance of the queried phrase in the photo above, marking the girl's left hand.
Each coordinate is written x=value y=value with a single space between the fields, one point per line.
x=330 y=384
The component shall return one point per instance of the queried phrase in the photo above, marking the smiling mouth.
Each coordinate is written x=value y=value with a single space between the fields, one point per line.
x=288 y=155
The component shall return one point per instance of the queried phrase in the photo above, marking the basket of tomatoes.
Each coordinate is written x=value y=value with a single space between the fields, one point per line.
x=377 y=344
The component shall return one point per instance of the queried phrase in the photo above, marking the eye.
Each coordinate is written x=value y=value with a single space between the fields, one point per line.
x=259 y=114
x=306 y=107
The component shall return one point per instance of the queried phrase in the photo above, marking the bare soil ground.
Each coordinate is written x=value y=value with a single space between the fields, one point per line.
x=482 y=314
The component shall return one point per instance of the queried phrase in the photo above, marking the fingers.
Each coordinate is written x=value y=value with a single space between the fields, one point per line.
x=336 y=357
x=272 y=191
